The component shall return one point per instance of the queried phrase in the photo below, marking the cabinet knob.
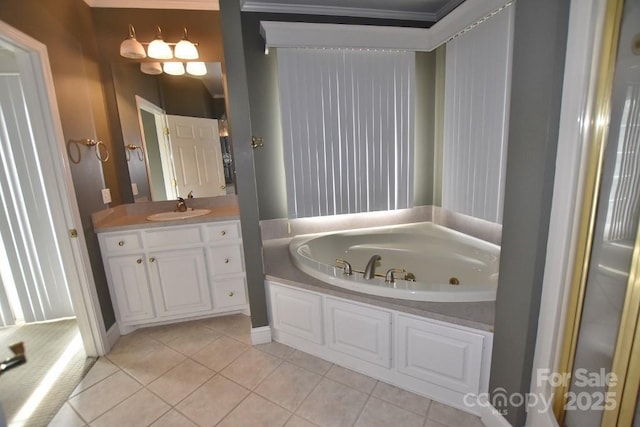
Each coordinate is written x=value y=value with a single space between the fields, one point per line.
x=152 y=259
x=230 y=294
x=121 y=243
x=226 y=260
x=139 y=261
x=222 y=233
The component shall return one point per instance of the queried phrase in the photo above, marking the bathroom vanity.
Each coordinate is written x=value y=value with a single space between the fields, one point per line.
x=167 y=272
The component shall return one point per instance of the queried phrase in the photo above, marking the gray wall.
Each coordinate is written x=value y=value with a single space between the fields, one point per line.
x=266 y=120
x=536 y=92
x=240 y=134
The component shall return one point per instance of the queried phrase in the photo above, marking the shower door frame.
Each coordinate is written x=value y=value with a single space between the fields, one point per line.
x=626 y=359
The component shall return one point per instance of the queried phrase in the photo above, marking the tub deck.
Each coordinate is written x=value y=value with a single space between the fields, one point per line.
x=280 y=268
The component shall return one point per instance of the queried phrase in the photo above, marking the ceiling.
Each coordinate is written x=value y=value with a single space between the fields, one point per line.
x=412 y=10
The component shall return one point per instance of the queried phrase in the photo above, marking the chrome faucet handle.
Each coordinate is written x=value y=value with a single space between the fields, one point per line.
x=190 y=195
x=181 y=205
x=346 y=267
x=389 y=277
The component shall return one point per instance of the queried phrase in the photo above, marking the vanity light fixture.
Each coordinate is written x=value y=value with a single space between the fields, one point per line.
x=132 y=48
x=196 y=68
x=158 y=48
x=153 y=68
x=173 y=68
x=185 y=48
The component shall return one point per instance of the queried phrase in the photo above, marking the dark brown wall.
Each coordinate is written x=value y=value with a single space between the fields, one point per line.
x=66 y=28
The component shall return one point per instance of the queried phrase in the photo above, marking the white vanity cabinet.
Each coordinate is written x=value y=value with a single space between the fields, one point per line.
x=172 y=273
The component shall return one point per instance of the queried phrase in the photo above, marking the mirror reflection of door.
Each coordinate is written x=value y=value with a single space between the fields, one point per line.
x=197 y=157
x=156 y=149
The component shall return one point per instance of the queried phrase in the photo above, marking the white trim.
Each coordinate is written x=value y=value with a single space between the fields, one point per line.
x=490 y=416
x=585 y=28
x=157 y=4
x=304 y=34
x=82 y=287
x=261 y=335
x=317 y=9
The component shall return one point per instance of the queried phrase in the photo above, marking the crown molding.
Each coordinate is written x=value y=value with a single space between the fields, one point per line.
x=301 y=9
x=157 y=4
x=302 y=34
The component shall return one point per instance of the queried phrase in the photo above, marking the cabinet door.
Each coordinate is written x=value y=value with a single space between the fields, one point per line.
x=297 y=313
x=130 y=284
x=439 y=354
x=359 y=331
x=179 y=281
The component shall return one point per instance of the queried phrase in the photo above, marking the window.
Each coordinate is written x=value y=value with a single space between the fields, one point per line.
x=347 y=119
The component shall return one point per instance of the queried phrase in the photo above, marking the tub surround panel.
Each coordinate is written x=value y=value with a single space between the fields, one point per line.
x=279 y=268
x=134 y=215
x=482 y=229
x=385 y=344
x=485 y=230
x=281 y=228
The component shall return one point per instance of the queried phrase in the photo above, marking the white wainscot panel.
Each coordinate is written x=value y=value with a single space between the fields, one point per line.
x=297 y=313
x=359 y=331
x=439 y=354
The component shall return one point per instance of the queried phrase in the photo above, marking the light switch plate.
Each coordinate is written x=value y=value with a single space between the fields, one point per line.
x=106 y=196
x=134 y=188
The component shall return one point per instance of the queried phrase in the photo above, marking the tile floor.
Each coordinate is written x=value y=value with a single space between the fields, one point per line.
x=206 y=373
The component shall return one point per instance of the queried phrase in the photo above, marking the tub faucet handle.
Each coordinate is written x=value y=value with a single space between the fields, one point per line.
x=389 y=277
x=346 y=267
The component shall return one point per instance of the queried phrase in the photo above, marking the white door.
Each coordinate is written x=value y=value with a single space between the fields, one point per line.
x=197 y=156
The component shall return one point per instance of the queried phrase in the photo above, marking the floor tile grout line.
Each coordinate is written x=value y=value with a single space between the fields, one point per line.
x=361 y=410
x=71 y=396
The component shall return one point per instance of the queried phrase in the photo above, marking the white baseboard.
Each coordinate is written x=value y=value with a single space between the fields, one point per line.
x=112 y=336
x=491 y=417
x=261 y=335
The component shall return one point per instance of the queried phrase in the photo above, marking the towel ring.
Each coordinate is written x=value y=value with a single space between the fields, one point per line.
x=137 y=148
x=101 y=154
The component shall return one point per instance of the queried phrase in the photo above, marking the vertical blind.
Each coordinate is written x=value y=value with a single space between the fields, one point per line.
x=347 y=120
x=478 y=74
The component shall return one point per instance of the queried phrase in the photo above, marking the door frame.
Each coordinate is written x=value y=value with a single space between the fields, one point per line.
x=33 y=60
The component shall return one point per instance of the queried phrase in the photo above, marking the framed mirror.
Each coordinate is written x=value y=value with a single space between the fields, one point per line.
x=175 y=133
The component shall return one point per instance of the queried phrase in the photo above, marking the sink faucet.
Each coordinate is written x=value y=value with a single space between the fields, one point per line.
x=370 y=269
x=190 y=195
x=181 y=205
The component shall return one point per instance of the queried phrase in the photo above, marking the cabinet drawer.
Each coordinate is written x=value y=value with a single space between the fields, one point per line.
x=230 y=292
x=226 y=259
x=114 y=243
x=359 y=331
x=223 y=231
x=170 y=237
x=439 y=354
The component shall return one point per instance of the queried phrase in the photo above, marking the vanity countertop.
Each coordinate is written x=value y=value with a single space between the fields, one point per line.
x=134 y=215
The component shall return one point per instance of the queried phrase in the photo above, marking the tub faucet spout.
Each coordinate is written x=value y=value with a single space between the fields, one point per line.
x=370 y=269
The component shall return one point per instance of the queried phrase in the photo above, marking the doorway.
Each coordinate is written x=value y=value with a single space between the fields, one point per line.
x=47 y=297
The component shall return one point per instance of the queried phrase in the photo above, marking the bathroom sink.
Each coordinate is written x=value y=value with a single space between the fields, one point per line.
x=170 y=216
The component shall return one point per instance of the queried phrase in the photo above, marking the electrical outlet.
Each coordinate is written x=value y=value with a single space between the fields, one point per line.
x=106 y=196
x=134 y=188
